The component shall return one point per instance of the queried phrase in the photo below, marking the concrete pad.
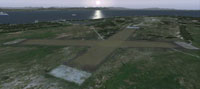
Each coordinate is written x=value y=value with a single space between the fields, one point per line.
x=133 y=27
x=186 y=45
x=14 y=42
x=70 y=74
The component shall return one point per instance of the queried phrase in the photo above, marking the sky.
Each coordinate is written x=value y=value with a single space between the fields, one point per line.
x=173 y=4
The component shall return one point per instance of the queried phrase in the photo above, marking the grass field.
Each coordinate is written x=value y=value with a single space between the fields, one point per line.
x=157 y=29
x=125 y=68
x=148 y=68
x=195 y=32
x=28 y=66
x=163 y=69
x=66 y=32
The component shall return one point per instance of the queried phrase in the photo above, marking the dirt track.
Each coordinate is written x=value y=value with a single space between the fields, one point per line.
x=106 y=43
x=99 y=49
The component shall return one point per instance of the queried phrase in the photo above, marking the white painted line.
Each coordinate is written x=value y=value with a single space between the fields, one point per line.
x=70 y=74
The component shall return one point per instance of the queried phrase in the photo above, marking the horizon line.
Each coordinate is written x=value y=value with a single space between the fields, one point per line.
x=32 y=7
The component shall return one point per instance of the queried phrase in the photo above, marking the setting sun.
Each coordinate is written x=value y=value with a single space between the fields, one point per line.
x=98 y=2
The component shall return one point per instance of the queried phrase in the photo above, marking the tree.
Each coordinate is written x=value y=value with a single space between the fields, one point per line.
x=185 y=34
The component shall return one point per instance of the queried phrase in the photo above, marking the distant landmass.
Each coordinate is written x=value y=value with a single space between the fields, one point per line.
x=69 y=8
x=159 y=9
x=49 y=8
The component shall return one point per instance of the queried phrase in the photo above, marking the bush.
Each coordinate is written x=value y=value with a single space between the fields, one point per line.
x=108 y=32
x=106 y=23
x=185 y=34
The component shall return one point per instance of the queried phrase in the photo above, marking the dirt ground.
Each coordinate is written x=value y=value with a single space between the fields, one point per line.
x=99 y=50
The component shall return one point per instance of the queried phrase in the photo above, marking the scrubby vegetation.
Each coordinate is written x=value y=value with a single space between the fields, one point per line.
x=108 y=27
x=7 y=28
x=125 y=68
x=105 y=23
x=156 y=71
x=107 y=32
x=185 y=34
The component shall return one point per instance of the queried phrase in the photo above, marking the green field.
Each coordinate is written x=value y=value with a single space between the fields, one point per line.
x=126 y=68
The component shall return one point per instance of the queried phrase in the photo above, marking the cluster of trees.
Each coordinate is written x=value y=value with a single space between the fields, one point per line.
x=185 y=34
x=105 y=24
x=107 y=32
x=109 y=26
